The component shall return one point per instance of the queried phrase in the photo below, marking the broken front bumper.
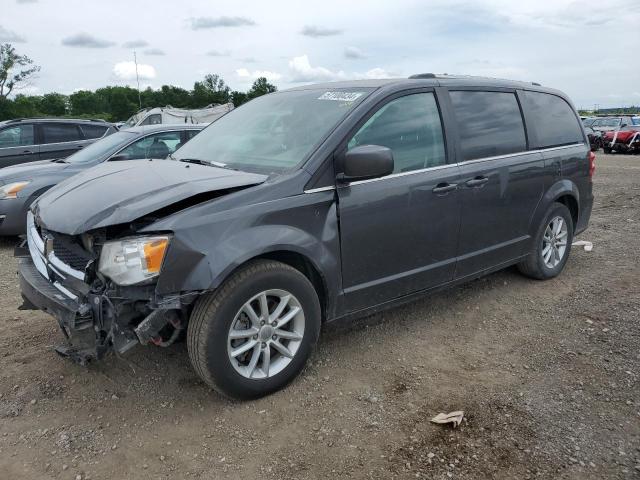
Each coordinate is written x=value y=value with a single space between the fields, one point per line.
x=54 y=286
x=74 y=317
x=94 y=319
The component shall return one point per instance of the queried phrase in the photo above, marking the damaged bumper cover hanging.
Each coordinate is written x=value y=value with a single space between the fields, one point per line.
x=93 y=320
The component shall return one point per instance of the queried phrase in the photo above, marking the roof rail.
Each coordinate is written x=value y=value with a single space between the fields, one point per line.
x=422 y=75
x=449 y=75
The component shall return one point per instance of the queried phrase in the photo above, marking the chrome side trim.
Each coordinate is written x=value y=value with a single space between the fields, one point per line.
x=449 y=165
x=320 y=189
x=404 y=174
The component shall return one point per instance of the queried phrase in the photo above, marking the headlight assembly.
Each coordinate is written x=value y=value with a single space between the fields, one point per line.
x=133 y=260
x=11 y=190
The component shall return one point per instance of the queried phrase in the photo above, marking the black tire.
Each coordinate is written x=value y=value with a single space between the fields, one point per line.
x=533 y=265
x=214 y=313
x=606 y=150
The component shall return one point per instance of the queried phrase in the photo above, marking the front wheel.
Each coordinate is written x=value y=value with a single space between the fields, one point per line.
x=254 y=334
x=552 y=245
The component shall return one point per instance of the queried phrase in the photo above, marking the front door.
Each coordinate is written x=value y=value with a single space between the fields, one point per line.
x=399 y=233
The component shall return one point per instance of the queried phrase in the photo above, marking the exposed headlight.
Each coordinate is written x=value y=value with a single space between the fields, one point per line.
x=133 y=260
x=11 y=190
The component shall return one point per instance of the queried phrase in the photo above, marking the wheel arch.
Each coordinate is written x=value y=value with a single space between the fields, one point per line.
x=564 y=191
x=292 y=257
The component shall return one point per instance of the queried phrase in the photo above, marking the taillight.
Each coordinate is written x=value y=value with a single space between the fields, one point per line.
x=592 y=164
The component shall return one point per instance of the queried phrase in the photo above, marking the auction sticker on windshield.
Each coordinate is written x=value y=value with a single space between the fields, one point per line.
x=341 y=96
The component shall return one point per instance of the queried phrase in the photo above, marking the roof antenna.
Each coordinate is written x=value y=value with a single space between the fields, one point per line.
x=135 y=60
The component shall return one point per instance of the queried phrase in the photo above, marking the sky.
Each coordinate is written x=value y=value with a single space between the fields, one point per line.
x=588 y=49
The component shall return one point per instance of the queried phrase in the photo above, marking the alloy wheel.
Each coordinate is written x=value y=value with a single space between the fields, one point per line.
x=265 y=334
x=554 y=242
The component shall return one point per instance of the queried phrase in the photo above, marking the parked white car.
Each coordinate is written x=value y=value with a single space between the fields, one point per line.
x=170 y=115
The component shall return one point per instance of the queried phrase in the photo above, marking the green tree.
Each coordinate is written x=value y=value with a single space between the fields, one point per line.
x=261 y=87
x=211 y=90
x=54 y=104
x=85 y=102
x=238 y=98
x=15 y=70
x=24 y=106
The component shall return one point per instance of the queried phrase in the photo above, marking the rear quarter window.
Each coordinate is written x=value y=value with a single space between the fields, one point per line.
x=553 y=119
x=93 y=131
x=489 y=123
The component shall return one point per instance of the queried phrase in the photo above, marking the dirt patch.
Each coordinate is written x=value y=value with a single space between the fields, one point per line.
x=546 y=372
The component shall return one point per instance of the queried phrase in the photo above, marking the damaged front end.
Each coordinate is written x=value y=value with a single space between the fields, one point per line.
x=101 y=291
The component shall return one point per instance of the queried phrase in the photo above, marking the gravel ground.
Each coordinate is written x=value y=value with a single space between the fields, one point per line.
x=547 y=374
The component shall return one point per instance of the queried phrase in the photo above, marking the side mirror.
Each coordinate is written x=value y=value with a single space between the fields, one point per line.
x=119 y=157
x=365 y=162
x=624 y=125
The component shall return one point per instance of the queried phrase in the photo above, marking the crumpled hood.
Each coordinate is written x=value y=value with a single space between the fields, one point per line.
x=114 y=193
x=30 y=170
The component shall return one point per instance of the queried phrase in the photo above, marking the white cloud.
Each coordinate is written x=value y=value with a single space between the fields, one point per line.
x=377 y=73
x=87 y=41
x=154 y=51
x=135 y=44
x=10 y=36
x=218 y=22
x=354 y=53
x=246 y=74
x=302 y=71
x=127 y=71
x=315 y=31
x=218 y=53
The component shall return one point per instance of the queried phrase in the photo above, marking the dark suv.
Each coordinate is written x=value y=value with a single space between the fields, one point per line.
x=29 y=139
x=306 y=206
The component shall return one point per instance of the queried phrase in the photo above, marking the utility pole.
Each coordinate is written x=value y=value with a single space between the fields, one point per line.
x=135 y=60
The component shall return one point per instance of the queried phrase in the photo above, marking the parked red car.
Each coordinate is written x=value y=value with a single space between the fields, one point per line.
x=626 y=140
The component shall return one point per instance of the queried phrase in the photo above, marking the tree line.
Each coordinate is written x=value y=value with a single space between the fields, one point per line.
x=111 y=103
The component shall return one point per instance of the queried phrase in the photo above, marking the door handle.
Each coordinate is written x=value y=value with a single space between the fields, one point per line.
x=477 y=182
x=25 y=152
x=445 y=188
x=79 y=146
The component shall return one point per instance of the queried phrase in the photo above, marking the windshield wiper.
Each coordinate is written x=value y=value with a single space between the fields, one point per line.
x=209 y=163
x=194 y=160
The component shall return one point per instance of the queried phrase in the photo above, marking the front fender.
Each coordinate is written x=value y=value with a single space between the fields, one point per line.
x=202 y=256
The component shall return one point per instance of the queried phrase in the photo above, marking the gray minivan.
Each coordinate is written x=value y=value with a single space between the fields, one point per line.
x=311 y=205
x=29 y=139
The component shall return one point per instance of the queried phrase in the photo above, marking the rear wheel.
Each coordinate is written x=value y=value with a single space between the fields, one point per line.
x=254 y=334
x=552 y=245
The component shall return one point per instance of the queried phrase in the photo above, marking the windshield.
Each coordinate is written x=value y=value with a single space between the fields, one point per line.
x=133 y=120
x=272 y=133
x=607 y=122
x=102 y=148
